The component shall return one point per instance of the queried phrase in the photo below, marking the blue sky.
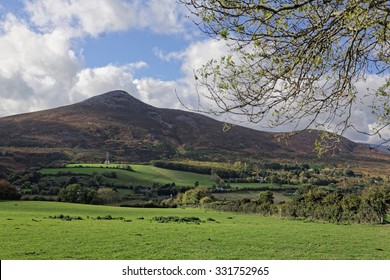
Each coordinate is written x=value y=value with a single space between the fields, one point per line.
x=136 y=45
x=58 y=52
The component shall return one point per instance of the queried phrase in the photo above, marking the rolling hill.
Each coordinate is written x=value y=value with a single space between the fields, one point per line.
x=133 y=131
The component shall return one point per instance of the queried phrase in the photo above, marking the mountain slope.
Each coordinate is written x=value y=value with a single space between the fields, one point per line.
x=131 y=130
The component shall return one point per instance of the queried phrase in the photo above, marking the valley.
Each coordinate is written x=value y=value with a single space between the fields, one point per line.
x=149 y=182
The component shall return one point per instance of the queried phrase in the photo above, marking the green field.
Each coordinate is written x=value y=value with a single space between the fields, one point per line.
x=143 y=175
x=147 y=175
x=27 y=232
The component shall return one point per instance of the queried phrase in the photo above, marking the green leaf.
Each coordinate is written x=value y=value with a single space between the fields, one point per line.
x=224 y=33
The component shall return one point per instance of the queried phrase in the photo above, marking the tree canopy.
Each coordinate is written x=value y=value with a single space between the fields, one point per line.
x=297 y=62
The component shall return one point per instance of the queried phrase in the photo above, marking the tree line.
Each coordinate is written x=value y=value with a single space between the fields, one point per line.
x=370 y=205
x=75 y=193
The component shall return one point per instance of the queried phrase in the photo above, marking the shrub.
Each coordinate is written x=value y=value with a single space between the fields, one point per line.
x=106 y=195
x=169 y=203
x=66 y=217
x=70 y=194
x=265 y=197
x=176 y=219
x=370 y=206
x=109 y=218
x=205 y=199
x=375 y=202
x=8 y=191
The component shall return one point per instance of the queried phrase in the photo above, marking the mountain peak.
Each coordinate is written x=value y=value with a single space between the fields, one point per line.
x=116 y=94
x=117 y=99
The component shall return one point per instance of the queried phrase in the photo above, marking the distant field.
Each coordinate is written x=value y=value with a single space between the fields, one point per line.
x=111 y=165
x=147 y=175
x=143 y=175
x=27 y=232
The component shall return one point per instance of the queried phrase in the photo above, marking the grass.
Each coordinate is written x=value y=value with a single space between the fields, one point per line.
x=143 y=175
x=147 y=175
x=100 y=165
x=28 y=233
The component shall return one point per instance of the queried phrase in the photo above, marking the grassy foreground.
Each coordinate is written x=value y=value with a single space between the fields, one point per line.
x=27 y=233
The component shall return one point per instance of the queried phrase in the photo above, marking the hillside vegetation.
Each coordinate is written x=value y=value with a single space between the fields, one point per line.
x=131 y=130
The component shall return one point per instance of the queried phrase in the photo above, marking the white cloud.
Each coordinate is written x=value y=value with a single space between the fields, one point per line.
x=199 y=53
x=94 y=17
x=90 y=17
x=363 y=114
x=192 y=58
x=92 y=81
x=175 y=94
x=161 y=16
x=33 y=65
x=164 y=56
x=157 y=93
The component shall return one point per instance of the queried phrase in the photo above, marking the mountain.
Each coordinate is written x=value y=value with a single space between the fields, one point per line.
x=383 y=149
x=133 y=131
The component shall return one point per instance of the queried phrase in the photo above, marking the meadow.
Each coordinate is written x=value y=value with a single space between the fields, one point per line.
x=35 y=230
x=142 y=175
x=147 y=175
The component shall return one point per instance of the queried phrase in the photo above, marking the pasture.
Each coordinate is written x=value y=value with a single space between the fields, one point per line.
x=142 y=175
x=147 y=175
x=29 y=230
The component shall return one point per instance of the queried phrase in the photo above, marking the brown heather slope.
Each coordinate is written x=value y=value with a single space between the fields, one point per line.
x=133 y=131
